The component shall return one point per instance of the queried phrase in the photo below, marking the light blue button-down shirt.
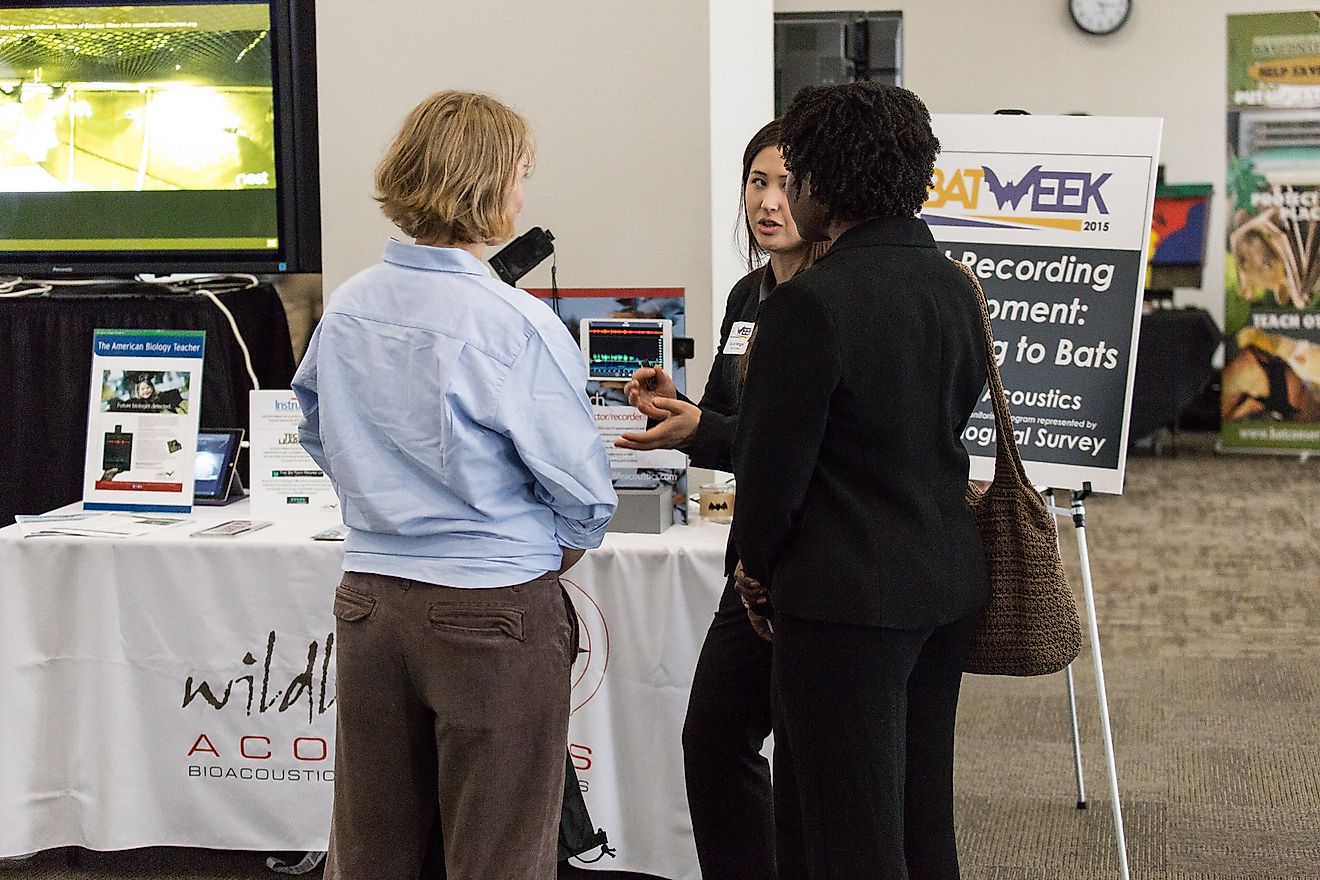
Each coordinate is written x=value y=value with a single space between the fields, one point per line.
x=450 y=412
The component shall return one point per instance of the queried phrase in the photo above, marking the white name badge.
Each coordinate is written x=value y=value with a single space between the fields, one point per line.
x=739 y=335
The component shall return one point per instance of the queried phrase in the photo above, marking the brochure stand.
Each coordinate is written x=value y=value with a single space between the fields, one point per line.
x=142 y=420
x=1077 y=512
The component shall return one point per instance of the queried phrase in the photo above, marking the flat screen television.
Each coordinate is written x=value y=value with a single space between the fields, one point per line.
x=161 y=138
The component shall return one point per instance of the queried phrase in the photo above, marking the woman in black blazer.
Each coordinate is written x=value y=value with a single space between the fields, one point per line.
x=728 y=716
x=851 y=516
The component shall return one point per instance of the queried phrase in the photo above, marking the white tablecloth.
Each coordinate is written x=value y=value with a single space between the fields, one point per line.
x=173 y=690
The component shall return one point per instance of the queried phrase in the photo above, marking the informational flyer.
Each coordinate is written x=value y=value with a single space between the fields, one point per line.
x=146 y=388
x=287 y=483
x=1053 y=216
x=613 y=422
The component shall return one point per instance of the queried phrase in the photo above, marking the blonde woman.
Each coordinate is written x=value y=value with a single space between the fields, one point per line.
x=449 y=410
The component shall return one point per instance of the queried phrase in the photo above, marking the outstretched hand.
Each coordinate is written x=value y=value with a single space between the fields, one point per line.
x=648 y=385
x=677 y=425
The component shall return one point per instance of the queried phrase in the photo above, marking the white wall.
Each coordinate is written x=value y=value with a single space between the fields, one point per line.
x=631 y=126
x=1167 y=61
x=642 y=107
x=742 y=80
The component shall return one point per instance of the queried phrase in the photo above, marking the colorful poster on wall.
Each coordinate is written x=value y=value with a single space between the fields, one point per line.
x=1271 y=382
x=1053 y=215
x=1179 y=227
x=142 y=420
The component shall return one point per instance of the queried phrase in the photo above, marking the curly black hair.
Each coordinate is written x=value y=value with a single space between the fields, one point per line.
x=865 y=149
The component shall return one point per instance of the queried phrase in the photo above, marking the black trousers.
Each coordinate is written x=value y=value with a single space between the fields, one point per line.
x=863 y=724
x=728 y=720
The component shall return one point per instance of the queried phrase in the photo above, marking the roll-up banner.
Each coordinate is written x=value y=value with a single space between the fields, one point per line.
x=1271 y=385
x=1053 y=215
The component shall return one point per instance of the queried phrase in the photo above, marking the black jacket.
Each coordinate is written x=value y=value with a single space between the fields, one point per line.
x=712 y=446
x=851 y=471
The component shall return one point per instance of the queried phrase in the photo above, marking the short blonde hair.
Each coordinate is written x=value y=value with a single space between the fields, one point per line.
x=450 y=171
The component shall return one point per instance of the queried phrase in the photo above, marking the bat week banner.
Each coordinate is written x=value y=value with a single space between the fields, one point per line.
x=1270 y=397
x=1053 y=216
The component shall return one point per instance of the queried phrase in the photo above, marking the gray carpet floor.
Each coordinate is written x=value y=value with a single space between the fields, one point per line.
x=1206 y=589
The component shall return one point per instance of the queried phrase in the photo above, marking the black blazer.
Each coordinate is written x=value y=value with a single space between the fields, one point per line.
x=712 y=445
x=851 y=472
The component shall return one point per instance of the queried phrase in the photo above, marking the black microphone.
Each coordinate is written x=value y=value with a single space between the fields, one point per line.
x=523 y=254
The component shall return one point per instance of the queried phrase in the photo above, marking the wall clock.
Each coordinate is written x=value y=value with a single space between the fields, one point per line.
x=1099 y=17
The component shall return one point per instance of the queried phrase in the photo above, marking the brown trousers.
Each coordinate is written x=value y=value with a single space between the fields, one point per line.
x=452 y=720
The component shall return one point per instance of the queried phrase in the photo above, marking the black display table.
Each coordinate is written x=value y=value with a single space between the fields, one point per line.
x=1173 y=366
x=47 y=365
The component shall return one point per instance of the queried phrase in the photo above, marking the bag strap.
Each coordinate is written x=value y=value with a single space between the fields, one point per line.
x=1007 y=459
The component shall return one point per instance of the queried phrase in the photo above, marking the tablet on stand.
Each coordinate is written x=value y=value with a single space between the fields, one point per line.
x=216 y=480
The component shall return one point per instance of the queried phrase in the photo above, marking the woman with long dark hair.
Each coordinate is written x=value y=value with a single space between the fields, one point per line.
x=728 y=718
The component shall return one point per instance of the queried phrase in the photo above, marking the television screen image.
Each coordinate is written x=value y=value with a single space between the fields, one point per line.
x=134 y=130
